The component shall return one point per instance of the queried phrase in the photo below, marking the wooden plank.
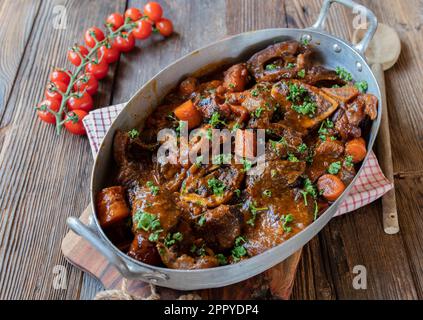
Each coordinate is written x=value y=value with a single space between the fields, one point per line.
x=43 y=178
x=14 y=40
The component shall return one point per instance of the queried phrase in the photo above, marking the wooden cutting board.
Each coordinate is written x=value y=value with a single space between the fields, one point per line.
x=275 y=283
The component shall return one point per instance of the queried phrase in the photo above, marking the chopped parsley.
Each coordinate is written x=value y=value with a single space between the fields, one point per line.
x=217 y=186
x=171 y=239
x=301 y=73
x=220 y=159
x=198 y=251
x=309 y=189
x=202 y=220
x=273 y=173
x=238 y=192
x=305 y=41
x=199 y=161
x=349 y=161
x=247 y=164
x=215 y=120
x=271 y=67
x=133 y=134
x=148 y=222
x=221 y=259
x=362 y=86
x=343 y=74
x=254 y=93
x=292 y=158
x=286 y=219
x=267 y=193
x=290 y=65
x=335 y=167
x=307 y=108
x=209 y=133
x=154 y=189
x=254 y=211
x=302 y=148
x=231 y=85
x=181 y=126
x=257 y=113
x=323 y=131
x=239 y=251
x=295 y=93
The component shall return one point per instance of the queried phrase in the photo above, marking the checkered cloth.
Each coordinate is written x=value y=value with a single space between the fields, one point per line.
x=370 y=185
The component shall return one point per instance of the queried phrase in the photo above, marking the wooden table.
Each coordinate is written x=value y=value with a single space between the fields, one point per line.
x=44 y=178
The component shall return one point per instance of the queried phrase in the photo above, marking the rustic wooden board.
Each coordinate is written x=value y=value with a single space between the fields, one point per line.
x=275 y=283
x=44 y=178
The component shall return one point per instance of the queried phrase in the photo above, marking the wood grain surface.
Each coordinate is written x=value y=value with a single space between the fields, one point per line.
x=45 y=178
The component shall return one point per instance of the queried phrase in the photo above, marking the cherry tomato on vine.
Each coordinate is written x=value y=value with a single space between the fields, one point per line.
x=115 y=21
x=52 y=93
x=74 y=57
x=82 y=101
x=98 y=69
x=44 y=114
x=73 y=122
x=165 y=27
x=142 y=30
x=59 y=75
x=153 y=11
x=125 y=42
x=93 y=34
x=109 y=53
x=86 y=83
x=133 y=13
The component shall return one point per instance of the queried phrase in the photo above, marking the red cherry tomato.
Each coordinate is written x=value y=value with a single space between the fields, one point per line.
x=142 y=30
x=133 y=13
x=115 y=21
x=153 y=11
x=59 y=75
x=109 y=53
x=86 y=83
x=82 y=101
x=98 y=70
x=73 y=122
x=165 y=27
x=125 y=42
x=44 y=114
x=93 y=34
x=74 y=57
x=52 y=93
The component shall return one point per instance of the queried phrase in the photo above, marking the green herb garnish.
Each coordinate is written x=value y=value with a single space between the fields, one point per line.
x=286 y=219
x=217 y=186
x=133 y=134
x=154 y=189
x=362 y=86
x=343 y=74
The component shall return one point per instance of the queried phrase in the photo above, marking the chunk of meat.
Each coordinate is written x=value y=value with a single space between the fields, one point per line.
x=188 y=86
x=287 y=53
x=320 y=76
x=212 y=185
x=111 y=206
x=326 y=153
x=268 y=230
x=276 y=176
x=343 y=94
x=288 y=141
x=236 y=78
x=143 y=250
x=173 y=260
x=348 y=121
x=159 y=203
x=290 y=93
x=221 y=227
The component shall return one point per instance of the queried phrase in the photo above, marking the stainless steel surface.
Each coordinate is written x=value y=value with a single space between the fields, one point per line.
x=331 y=52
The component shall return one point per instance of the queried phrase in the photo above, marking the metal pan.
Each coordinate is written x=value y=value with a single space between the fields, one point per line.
x=331 y=52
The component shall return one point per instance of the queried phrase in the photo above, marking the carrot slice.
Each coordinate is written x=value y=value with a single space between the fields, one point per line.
x=356 y=148
x=330 y=186
x=188 y=112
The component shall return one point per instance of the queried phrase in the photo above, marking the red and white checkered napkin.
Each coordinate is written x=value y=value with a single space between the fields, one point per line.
x=370 y=185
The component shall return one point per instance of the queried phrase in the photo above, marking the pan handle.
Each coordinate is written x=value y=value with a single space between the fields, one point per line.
x=372 y=21
x=91 y=236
